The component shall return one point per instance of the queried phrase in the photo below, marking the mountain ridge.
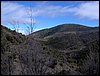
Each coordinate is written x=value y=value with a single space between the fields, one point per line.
x=64 y=28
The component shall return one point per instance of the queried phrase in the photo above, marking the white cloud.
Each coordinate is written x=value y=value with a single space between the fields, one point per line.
x=22 y=31
x=88 y=10
x=11 y=10
x=25 y=32
x=84 y=10
x=17 y=11
x=38 y=29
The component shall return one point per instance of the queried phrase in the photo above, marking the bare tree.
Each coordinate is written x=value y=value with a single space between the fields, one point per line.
x=15 y=23
x=31 y=22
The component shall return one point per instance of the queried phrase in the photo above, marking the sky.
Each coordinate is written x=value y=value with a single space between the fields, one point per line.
x=47 y=14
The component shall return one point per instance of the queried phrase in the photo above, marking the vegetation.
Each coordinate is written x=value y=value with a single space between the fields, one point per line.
x=66 y=49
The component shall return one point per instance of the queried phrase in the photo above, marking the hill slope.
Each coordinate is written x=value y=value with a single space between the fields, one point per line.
x=63 y=28
x=67 y=49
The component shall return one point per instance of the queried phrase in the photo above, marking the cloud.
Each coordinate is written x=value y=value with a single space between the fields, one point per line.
x=25 y=32
x=38 y=29
x=11 y=10
x=88 y=10
x=22 y=31
x=17 y=11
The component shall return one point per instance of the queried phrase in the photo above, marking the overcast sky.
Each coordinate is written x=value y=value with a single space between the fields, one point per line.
x=50 y=13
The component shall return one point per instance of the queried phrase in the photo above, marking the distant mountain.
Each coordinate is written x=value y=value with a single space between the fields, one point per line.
x=66 y=49
x=63 y=28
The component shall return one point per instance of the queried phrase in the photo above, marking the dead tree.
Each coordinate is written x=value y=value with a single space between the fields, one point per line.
x=31 y=22
x=15 y=23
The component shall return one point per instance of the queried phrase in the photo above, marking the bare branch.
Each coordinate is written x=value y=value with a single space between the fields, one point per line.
x=15 y=24
x=31 y=22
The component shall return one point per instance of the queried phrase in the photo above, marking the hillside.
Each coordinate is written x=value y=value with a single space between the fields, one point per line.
x=10 y=37
x=66 y=35
x=9 y=40
x=63 y=28
x=67 y=49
